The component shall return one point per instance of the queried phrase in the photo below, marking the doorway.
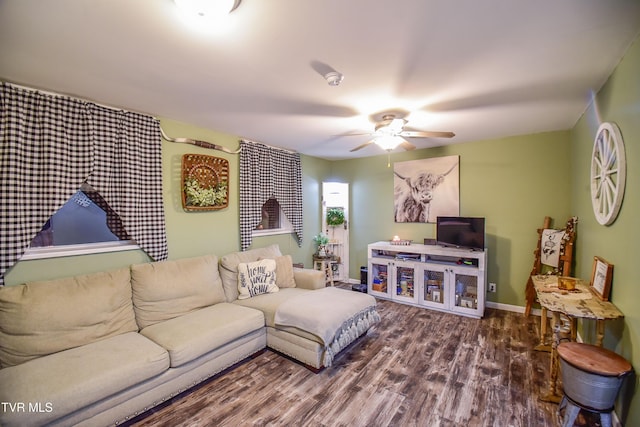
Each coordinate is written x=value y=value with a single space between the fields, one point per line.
x=335 y=202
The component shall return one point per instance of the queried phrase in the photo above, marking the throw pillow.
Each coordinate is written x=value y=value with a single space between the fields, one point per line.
x=284 y=271
x=256 y=278
x=229 y=267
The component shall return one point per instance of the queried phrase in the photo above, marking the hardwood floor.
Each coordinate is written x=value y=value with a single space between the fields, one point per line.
x=417 y=367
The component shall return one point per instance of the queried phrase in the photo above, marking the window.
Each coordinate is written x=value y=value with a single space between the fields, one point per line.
x=273 y=221
x=84 y=224
x=52 y=143
x=268 y=172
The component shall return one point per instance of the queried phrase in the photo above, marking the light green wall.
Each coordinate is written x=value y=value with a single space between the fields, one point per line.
x=618 y=101
x=513 y=182
x=193 y=233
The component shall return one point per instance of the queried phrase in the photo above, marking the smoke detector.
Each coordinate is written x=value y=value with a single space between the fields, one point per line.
x=334 y=78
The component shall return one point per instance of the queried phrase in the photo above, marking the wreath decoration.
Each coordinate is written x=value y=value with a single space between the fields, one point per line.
x=335 y=216
x=205 y=182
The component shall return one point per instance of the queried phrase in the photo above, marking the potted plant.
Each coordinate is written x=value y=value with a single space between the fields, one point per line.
x=321 y=241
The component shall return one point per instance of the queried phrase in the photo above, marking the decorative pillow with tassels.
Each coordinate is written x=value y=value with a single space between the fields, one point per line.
x=256 y=278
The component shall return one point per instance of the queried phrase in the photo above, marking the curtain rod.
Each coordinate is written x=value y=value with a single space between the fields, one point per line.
x=197 y=142
x=48 y=92
x=270 y=146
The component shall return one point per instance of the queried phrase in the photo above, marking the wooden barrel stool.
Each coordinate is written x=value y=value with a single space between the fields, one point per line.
x=591 y=378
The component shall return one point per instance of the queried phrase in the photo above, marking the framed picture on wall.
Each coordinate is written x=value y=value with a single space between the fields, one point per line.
x=601 y=277
x=425 y=189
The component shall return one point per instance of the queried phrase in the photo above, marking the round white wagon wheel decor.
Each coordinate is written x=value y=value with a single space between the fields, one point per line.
x=608 y=173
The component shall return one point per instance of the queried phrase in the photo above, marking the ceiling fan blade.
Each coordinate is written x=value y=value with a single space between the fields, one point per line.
x=361 y=146
x=426 y=134
x=407 y=146
x=353 y=134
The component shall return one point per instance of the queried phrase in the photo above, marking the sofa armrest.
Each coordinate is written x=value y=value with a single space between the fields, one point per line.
x=307 y=278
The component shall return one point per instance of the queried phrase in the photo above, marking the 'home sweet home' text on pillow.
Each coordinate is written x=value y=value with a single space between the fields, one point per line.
x=256 y=278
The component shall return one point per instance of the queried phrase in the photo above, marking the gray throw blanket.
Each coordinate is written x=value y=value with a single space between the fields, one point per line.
x=336 y=316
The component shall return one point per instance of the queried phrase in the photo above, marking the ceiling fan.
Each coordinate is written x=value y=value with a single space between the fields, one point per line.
x=389 y=134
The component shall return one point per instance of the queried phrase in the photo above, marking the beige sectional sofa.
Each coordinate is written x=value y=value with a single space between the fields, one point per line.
x=99 y=349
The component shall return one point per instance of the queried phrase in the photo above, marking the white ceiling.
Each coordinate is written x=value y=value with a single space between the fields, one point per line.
x=482 y=69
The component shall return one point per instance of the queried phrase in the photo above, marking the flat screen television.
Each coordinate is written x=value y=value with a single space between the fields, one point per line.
x=460 y=232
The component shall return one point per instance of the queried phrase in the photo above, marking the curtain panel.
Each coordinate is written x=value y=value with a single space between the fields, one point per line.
x=50 y=145
x=267 y=172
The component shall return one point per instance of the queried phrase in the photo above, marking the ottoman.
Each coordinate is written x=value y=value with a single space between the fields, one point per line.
x=335 y=317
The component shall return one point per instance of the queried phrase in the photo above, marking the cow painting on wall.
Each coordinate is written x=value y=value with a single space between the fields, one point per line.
x=426 y=189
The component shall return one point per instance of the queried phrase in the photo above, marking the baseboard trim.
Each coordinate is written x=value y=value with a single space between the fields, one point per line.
x=510 y=307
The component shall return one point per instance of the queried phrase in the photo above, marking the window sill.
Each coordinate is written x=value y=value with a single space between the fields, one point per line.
x=271 y=232
x=74 y=250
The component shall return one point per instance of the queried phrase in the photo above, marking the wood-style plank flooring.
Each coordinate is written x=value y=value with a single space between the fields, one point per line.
x=417 y=367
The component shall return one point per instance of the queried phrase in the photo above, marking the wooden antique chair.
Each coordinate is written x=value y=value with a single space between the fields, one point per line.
x=563 y=269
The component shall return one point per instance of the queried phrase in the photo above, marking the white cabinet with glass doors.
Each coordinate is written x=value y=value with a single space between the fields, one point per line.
x=395 y=279
x=446 y=279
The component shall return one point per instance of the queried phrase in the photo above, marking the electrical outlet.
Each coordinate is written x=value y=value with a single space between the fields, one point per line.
x=492 y=287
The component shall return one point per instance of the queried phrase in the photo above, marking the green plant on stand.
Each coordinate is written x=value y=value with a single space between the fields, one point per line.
x=321 y=241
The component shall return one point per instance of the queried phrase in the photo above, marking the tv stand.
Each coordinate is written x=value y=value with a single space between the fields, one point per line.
x=431 y=276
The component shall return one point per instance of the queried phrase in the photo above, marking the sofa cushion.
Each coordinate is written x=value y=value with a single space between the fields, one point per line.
x=229 y=267
x=192 y=335
x=284 y=271
x=168 y=289
x=40 y=318
x=75 y=378
x=256 y=278
x=308 y=278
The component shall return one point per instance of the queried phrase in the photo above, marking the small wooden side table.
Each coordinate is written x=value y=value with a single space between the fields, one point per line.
x=580 y=303
x=325 y=264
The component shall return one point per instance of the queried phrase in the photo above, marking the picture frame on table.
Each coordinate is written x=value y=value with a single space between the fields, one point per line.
x=466 y=302
x=435 y=296
x=601 y=278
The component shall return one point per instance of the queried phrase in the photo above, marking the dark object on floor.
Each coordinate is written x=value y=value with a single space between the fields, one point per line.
x=363 y=275
x=359 y=287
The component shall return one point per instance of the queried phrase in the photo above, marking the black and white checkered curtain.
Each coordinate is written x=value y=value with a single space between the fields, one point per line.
x=127 y=172
x=267 y=172
x=50 y=145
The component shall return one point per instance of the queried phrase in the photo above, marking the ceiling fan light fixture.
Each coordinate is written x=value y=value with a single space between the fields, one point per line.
x=390 y=125
x=208 y=8
x=334 y=78
x=388 y=142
